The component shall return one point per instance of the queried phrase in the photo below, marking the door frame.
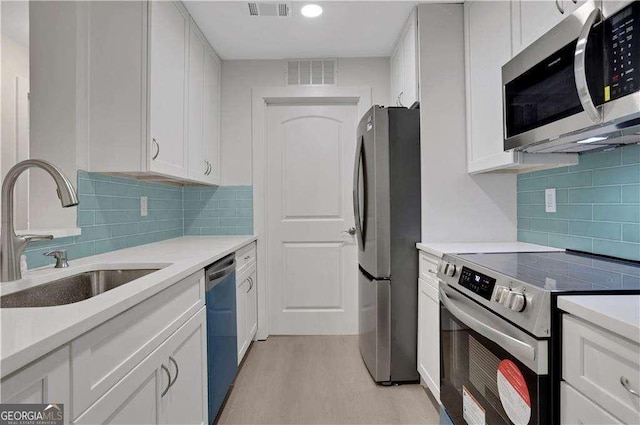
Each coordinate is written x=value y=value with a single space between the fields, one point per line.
x=260 y=99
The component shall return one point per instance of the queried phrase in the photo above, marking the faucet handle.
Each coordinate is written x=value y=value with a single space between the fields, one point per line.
x=61 y=258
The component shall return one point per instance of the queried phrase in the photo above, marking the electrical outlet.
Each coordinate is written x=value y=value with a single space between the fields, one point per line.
x=550 y=200
x=143 y=206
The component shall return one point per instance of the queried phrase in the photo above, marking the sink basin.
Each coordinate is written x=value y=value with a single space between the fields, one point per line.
x=72 y=289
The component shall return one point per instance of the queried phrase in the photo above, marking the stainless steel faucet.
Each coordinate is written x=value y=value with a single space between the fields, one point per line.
x=12 y=246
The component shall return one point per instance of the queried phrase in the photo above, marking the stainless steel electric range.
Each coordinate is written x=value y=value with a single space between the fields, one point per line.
x=500 y=330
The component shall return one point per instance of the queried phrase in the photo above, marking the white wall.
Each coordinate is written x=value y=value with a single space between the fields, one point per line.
x=240 y=76
x=15 y=137
x=456 y=207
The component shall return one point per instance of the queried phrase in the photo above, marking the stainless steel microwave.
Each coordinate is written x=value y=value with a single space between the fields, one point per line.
x=577 y=87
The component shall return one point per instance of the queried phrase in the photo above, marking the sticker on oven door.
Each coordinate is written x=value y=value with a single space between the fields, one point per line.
x=472 y=412
x=514 y=394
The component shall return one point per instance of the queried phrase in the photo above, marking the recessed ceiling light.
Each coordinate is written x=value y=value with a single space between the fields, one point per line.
x=593 y=139
x=311 y=10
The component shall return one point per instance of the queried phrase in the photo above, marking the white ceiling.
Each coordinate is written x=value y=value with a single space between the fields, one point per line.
x=15 y=20
x=345 y=29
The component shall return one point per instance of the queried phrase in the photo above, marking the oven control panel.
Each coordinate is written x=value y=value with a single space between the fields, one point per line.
x=477 y=282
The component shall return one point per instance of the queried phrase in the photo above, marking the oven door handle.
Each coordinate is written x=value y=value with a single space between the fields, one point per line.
x=515 y=346
x=580 y=70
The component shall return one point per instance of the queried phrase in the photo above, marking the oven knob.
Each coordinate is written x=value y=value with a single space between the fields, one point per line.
x=516 y=301
x=501 y=294
x=450 y=270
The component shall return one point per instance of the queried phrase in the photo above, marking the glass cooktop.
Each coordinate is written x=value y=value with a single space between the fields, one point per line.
x=563 y=271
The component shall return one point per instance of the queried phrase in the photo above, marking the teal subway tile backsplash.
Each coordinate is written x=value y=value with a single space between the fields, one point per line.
x=598 y=204
x=109 y=215
x=218 y=211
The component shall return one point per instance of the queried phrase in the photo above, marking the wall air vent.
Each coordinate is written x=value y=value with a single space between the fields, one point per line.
x=270 y=9
x=311 y=72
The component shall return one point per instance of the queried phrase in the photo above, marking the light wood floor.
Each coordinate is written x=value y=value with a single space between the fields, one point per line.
x=319 y=380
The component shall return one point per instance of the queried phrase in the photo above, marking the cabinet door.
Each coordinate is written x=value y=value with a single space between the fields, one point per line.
x=410 y=60
x=429 y=336
x=242 y=288
x=197 y=166
x=168 y=45
x=487 y=48
x=536 y=18
x=134 y=400
x=46 y=381
x=211 y=136
x=252 y=308
x=397 y=75
x=186 y=400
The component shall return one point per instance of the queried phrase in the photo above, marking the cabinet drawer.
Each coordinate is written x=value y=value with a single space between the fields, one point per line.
x=101 y=357
x=428 y=266
x=594 y=361
x=245 y=256
x=577 y=409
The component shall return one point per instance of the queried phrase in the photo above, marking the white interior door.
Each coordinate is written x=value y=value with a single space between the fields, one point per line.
x=311 y=262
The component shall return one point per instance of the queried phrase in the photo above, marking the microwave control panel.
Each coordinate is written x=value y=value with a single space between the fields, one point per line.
x=622 y=44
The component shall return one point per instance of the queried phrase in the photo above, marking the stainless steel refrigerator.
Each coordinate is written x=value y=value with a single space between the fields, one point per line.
x=386 y=199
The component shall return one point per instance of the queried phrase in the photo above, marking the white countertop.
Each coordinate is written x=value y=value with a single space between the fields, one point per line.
x=29 y=333
x=619 y=314
x=440 y=248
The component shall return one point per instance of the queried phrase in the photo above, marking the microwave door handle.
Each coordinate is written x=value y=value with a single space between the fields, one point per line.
x=579 y=67
x=518 y=348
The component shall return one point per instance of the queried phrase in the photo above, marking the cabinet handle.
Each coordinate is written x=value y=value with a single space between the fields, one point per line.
x=169 y=384
x=560 y=7
x=247 y=257
x=155 y=142
x=627 y=386
x=175 y=378
x=250 y=284
x=210 y=168
x=400 y=99
x=432 y=271
x=206 y=166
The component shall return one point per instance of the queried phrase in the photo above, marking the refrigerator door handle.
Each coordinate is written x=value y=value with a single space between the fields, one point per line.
x=356 y=189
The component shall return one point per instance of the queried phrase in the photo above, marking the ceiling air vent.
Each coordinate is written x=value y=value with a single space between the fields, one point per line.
x=311 y=72
x=270 y=9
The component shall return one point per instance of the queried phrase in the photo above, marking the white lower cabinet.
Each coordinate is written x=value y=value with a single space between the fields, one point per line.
x=602 y=367
x=429 y=335
x=429 y=322
x=45 y=381
x=247 y=308
x=578 y=409
x=167 y=387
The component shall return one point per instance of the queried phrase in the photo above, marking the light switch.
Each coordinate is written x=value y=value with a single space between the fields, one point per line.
x=550 y=200
x=143 y=206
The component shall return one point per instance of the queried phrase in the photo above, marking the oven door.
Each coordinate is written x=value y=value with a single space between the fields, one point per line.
x=555 y=86
x=491 y=372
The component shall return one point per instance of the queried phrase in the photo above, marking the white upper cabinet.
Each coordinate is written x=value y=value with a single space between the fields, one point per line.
x=204 y=110
x=487 y=48
x=167 y=87
x=404 y=65
x=148 y=107
x=211 y=130
x=489 y=26
x=531 y=19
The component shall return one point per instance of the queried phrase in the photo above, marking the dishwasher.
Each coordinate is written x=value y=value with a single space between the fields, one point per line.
x=222 y=331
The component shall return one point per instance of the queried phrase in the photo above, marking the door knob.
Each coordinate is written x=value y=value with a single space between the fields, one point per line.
x=351 y=231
